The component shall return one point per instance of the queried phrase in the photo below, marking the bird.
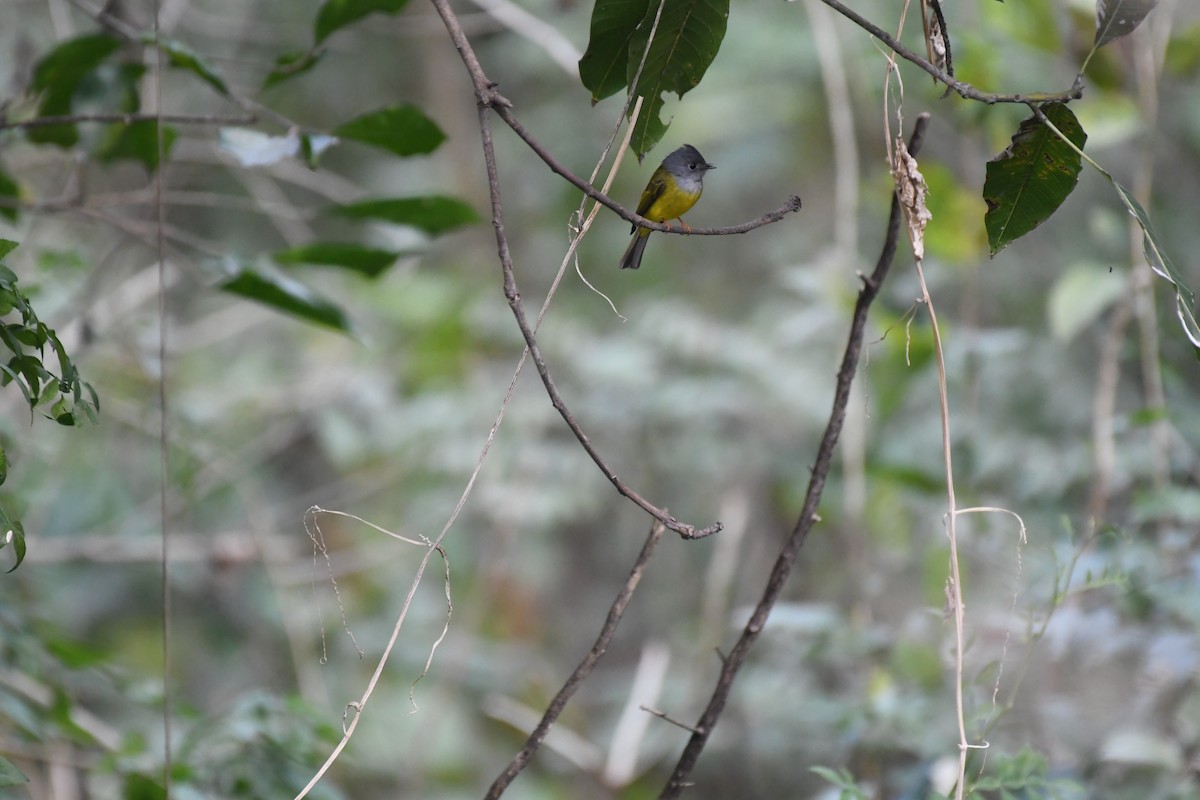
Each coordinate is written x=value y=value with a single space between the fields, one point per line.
x=673 y=189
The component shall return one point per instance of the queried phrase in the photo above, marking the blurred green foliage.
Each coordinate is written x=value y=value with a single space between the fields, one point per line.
x=708 y=394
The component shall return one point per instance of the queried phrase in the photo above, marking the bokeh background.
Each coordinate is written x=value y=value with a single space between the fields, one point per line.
x=1072 y=393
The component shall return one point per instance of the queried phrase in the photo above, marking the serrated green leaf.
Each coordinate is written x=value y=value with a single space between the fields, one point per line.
x=6 y=247
x=58 y=75
x=336 y=14
x=1027 y=182
x=403 y=130
x=290 y=65
x=603 y=66
x=137 y=141
x=287 y=295
x=687 y=40
x=1115 y=18
x=182 y=56
x=364 y=260
x=432 y=214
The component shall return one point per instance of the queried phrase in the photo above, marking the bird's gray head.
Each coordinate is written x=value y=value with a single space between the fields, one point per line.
x=687 y=166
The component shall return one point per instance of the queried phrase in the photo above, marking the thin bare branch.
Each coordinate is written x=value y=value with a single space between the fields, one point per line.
x=129 y=119
x=504 y=111
x=581 y=673
x=808 y=516
x=962 y=88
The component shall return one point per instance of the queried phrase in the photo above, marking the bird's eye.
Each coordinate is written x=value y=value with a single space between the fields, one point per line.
x=692 y=165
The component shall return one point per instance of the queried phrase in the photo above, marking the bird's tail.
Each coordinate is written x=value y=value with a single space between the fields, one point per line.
x=633 y=254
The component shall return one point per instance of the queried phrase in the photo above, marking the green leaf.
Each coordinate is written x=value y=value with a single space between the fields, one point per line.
x=403 y=130
x=58 y=75
x=335 y=14
x=6 y=247
x=1160 y=262
x=1115 y=18
x=354 y=257
x=67 y=64
x=182 y=56
x=139 y=786
x=286 y=295
x=10 y=775
x=12 y=532
x=603 y=66
x=290 y=65
x=137 y=141
x=3 y=465
x=687 y=40
x=11 y=193
x=1027 y=182
x=432 y=214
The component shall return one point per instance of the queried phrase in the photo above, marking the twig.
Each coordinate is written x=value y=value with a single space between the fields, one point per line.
x=489 y=100
x=504 y=111
x=581 y=673
x=787 y=556
x=954 y=584
x=665 y=717
x=129 y=119
x=964 y=89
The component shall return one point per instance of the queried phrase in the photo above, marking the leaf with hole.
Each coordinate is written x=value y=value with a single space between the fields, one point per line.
x=1029 y=181
x=688 y=37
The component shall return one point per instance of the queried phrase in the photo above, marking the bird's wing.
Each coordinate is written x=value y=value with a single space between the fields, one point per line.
x=654 y=190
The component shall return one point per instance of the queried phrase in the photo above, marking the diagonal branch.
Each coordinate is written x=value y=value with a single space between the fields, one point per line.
x=581 y=673
x=808 y=515
x=964 y=89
